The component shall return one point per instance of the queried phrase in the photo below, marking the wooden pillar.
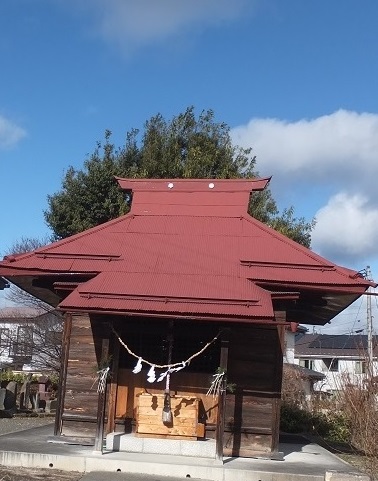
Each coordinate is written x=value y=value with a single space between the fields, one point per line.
x=110 y=427
x=63 y=373
x=101 y=404
x=276 y=411
x=222 y=397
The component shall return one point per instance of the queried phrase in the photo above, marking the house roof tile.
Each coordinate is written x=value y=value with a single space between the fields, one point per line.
x=337 y=345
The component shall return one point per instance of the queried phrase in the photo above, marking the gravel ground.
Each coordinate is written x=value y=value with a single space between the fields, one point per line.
x=31 y=474
x=20 y=423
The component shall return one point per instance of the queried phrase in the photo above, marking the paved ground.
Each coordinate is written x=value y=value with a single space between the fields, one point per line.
x=24 y=442
x=20 y=423
x=29 y=474
x=102 y=476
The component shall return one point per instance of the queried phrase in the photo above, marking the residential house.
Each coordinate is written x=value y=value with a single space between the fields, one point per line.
x=299 y=381
x=291 y=332
x=30 y=339
x=341 y=358
x=184 y=289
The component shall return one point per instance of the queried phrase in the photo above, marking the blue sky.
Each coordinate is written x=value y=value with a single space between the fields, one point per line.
x=295 y=80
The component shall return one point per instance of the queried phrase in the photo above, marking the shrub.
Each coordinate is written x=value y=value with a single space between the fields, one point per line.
x=332 y=426
x=294 y=419
x=8 y=376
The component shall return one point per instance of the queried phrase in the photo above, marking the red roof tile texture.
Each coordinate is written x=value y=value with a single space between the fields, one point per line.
x=187 y=248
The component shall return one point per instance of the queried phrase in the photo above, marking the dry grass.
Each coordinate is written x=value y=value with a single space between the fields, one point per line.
x=360 y=406
x=352 y=414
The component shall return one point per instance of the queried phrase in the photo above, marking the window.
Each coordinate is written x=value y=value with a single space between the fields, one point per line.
x=331 y=364
x=24 y=344
x=360 y=367
x=4 y=341
x=308 y=363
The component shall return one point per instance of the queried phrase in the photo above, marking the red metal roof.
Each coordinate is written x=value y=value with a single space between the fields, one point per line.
x=181 y=294
x=187 y=248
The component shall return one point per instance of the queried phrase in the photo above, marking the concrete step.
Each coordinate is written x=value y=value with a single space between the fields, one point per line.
x=131 y=444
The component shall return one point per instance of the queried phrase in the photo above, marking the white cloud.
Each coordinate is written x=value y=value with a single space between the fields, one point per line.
x=330 y=161
x=343 y=144
x=10 y=133
x=347 y=228
x=131 y=23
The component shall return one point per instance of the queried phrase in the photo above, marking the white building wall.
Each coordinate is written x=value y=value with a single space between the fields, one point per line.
x=6 y=354
x=289 y=354
x=335 y=380
x=5 y=351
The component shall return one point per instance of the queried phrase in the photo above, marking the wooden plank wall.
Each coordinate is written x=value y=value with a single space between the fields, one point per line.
x=80 y=402
x=251 y=412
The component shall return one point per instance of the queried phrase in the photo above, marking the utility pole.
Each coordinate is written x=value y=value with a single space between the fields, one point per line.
x=369 y=324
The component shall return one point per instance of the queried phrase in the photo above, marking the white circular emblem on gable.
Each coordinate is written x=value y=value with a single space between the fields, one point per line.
x=211 y=185
x=170 y=185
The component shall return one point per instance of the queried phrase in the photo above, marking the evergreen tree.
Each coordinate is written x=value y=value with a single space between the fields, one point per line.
x=184 y=147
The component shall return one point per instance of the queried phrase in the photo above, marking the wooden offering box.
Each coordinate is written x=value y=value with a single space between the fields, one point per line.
x=184 y=416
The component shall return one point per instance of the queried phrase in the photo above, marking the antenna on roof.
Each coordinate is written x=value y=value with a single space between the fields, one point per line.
x=369 y=321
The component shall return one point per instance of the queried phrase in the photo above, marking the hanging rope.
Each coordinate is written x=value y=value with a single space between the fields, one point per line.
x=171 y=367
x=216 y=384
x=102 y=377
x=167 y=412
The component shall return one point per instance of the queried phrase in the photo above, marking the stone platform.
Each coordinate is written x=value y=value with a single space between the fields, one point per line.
x=129 y=443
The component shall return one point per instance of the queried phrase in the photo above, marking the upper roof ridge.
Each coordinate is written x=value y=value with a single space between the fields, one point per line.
x=198 y=197
x=193 y=185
